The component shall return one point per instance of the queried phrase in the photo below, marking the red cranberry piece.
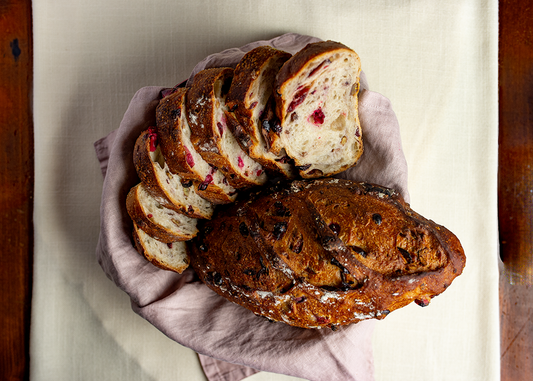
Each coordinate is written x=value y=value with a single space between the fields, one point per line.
x=189 y=158
x=322 y=320
x=252 y=106
x=153 y=142
x=259 y=172
x=220 y=128
x=298 y=98
x=422 y=302
x=150 y=215
x=205 y=183
x=318 y=116
x=190 y=209
x=324 y=64
x=169 y=245
x=240 y=162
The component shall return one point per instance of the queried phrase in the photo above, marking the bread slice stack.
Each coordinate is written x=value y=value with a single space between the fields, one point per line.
x=273 y=116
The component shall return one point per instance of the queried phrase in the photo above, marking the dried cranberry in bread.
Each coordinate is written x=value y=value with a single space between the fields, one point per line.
x=249 y=98
x=167 y=256
x=210 y=136
x=322 y=253
x=174 y=136
x=316 y=93
x=161 y=183
x=163 y=224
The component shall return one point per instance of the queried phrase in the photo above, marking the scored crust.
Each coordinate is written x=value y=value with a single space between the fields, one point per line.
x=322 y=253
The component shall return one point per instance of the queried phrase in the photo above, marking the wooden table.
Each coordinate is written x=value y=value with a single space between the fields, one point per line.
x=515 y=187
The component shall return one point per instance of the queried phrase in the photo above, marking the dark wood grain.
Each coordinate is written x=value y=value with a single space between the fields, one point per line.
x=515 y=188
x=16 y=179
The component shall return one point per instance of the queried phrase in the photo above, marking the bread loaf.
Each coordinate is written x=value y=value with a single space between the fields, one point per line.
x=249 y=99
x=325 y=252
x=164 y=224
x=174 y=136
x=210 y=136
x=316 y=96
x=161 y=183
x=167 y=256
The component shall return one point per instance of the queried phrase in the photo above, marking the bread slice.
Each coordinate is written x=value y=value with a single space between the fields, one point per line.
x=163 y=224
x=249 y=99
x=210 y=136
x=174 y=136
x=316 y=94
x=161 y=183
x=167 y=256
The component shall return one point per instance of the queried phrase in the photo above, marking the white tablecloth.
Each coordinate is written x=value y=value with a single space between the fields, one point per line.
x=435 y=61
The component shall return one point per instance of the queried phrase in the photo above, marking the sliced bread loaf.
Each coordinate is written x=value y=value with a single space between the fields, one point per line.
x=206 y=114
x=160 y=182
x=161 y=223
x=167 y=256
x=249 y=99
x=174 y=136
x=316 y=94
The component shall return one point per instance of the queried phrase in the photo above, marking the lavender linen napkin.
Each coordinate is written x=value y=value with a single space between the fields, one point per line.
x=232 y=342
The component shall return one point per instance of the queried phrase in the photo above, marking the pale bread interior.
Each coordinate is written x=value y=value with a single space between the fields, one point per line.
x=174 y=190
x=170 y=255
x=170 y=220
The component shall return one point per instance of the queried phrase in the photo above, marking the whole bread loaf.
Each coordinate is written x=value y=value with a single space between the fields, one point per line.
x=324 y=252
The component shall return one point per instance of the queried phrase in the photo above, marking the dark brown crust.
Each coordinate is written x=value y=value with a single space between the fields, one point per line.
x=145 y=170
x=136 y=213
x=200 y=108
x=151 y=258
x=168 y=119
x=278 y=253
x=168 y=122
x=245 y=75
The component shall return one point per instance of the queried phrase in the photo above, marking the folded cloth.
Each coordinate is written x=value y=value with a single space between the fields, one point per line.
x=232 y=342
